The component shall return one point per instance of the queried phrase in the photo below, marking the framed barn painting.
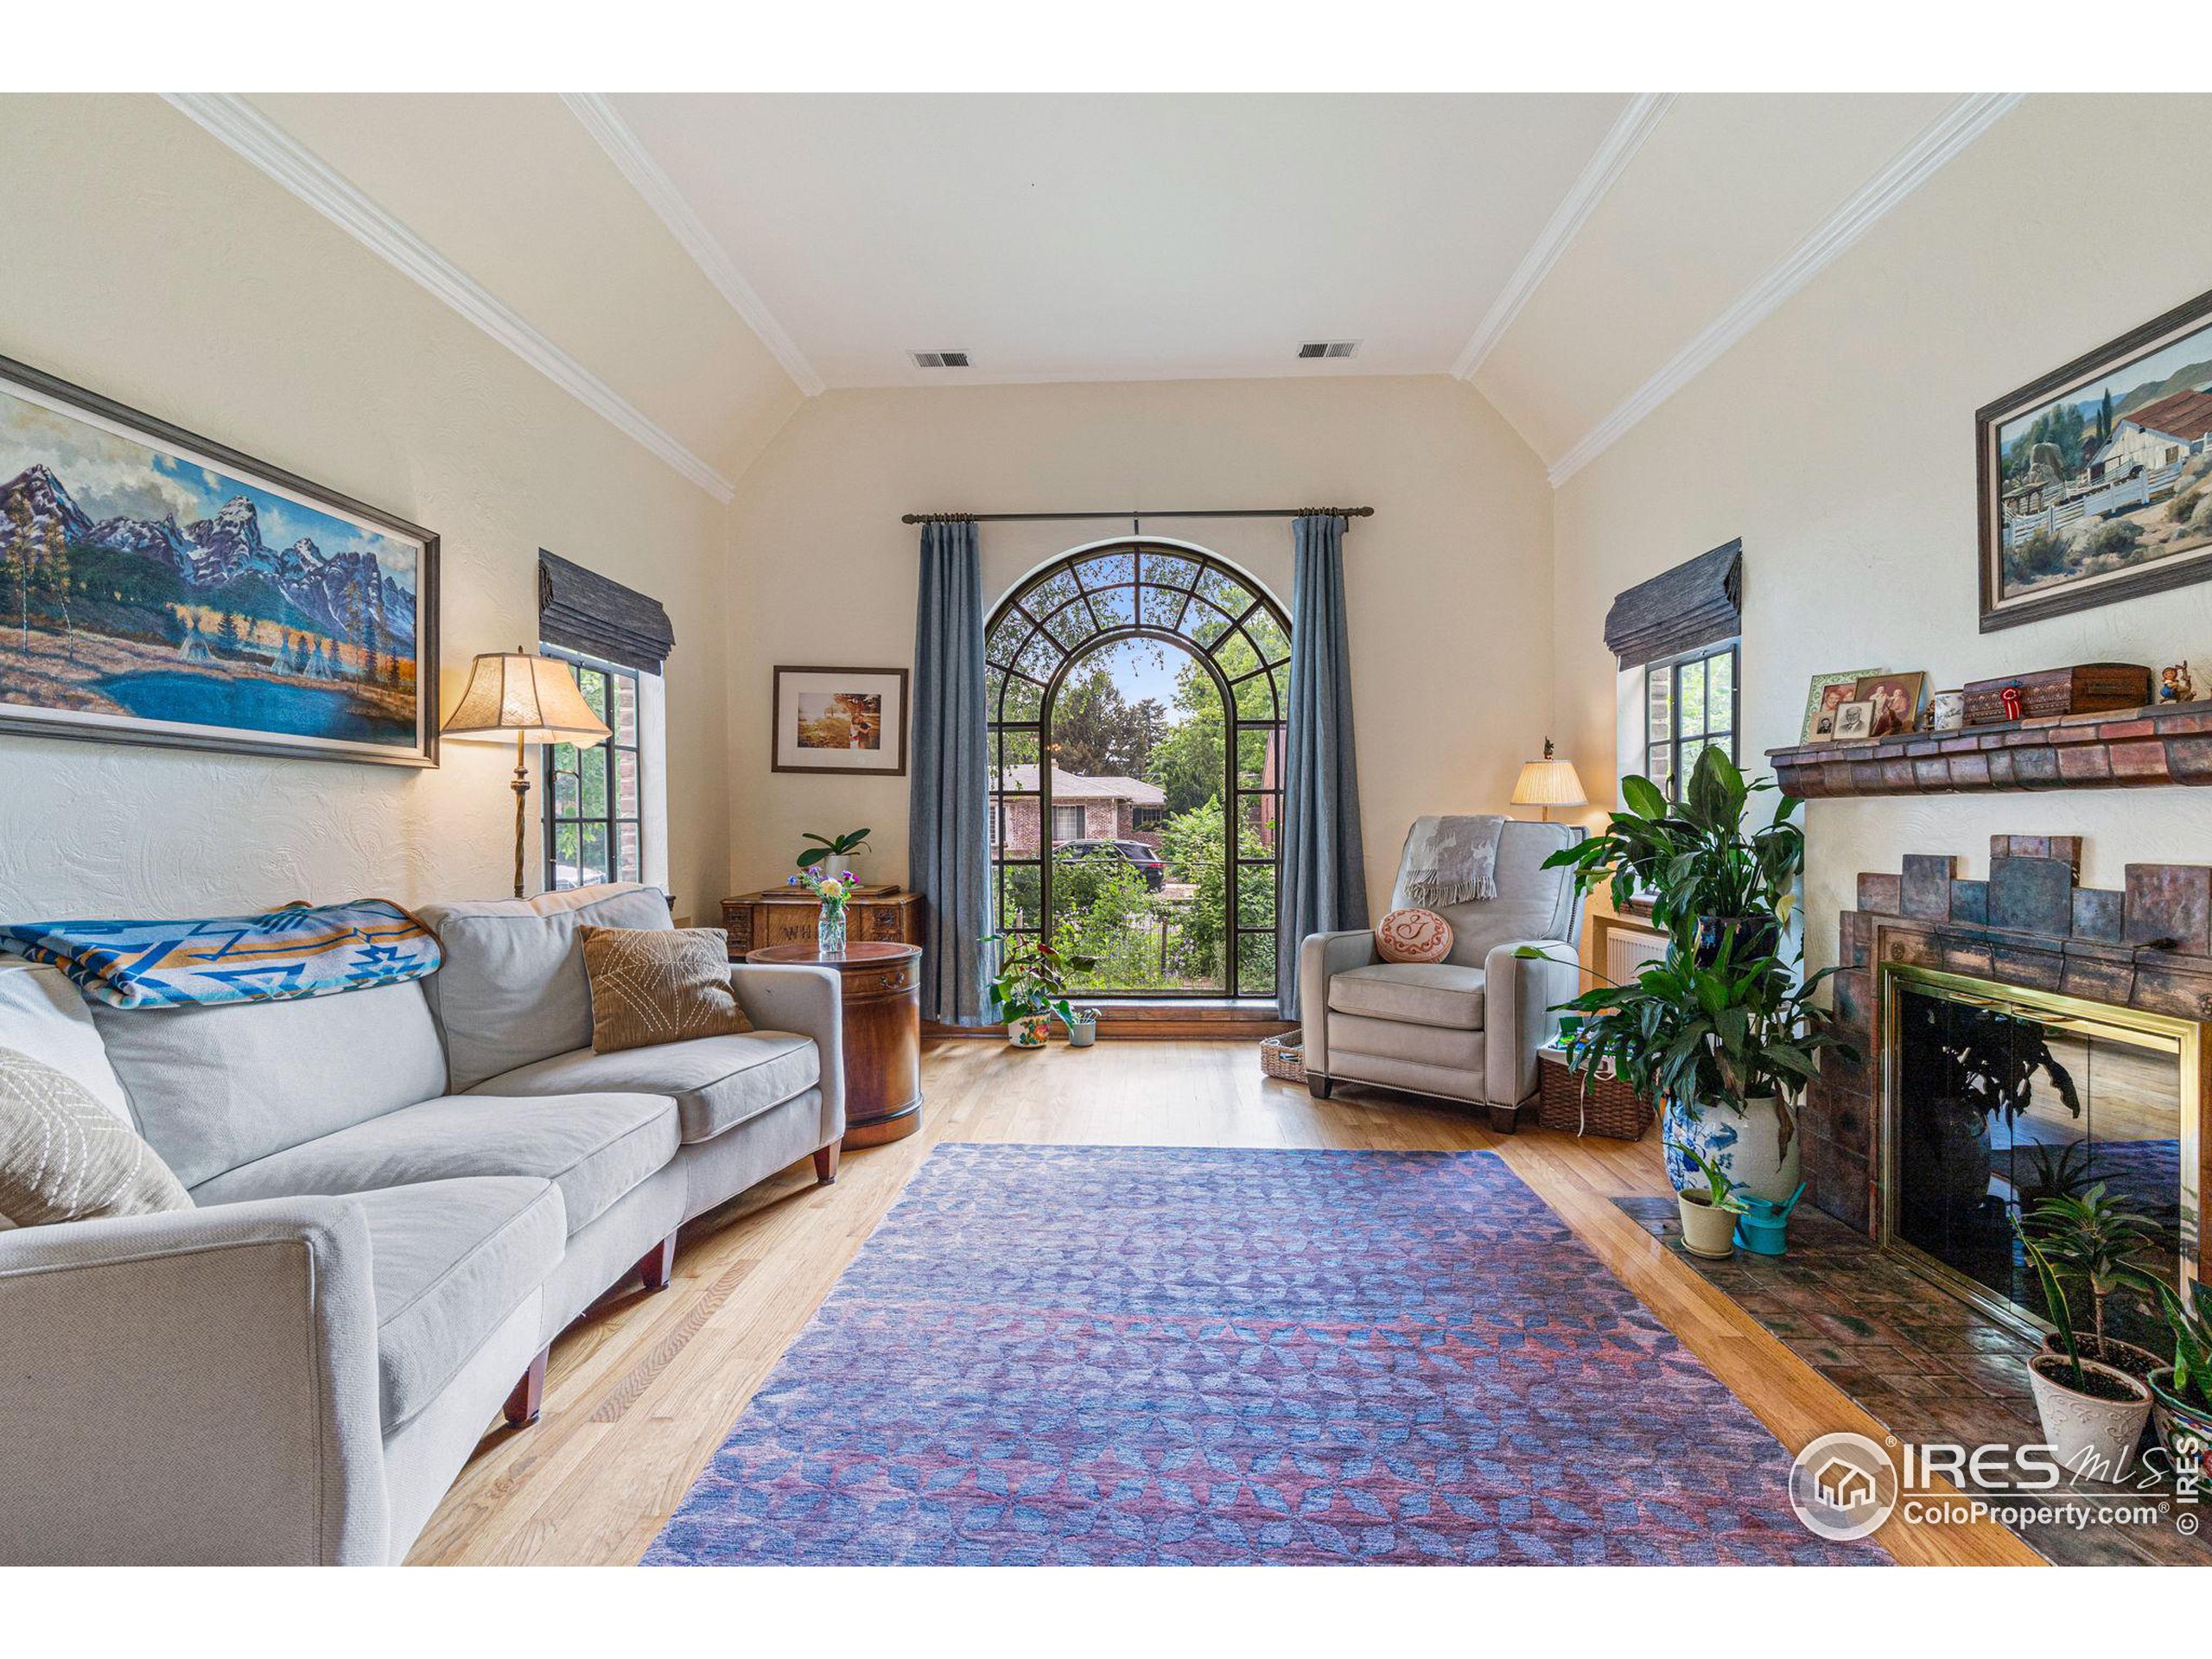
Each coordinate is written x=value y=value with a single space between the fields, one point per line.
x=2096 y=480
x=844 y=720
x=158 y=588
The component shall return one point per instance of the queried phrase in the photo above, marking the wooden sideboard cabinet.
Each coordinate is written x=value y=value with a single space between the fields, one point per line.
x=789 y=915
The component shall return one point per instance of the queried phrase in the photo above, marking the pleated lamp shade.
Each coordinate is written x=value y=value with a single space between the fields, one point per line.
x=1548 y=782
x=517 y=696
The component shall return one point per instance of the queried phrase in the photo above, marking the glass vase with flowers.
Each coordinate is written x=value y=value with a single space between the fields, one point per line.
x=834 y=890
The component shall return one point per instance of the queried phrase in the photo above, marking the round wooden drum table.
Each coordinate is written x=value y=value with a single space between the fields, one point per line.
x=883 y=1035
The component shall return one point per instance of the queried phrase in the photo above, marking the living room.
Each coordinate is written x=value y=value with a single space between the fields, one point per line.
x=1244 y=846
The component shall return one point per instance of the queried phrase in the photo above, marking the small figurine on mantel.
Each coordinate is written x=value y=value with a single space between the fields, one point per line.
x=2175 y=684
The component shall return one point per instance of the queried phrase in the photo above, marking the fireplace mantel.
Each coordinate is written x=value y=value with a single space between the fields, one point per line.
x=2166 y=743
x=2147 y=947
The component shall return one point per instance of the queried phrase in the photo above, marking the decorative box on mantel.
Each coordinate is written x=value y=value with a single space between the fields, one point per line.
x=790 y=915
x=2147 y=947
x=2163 y=743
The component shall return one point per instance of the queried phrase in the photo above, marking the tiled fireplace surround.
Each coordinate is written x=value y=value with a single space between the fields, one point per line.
x=2148 y=947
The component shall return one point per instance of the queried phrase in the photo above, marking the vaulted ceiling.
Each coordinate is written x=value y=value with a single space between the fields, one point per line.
x=697 y=265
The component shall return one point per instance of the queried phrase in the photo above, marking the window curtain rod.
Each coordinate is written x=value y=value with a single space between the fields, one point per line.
x=1219 y=513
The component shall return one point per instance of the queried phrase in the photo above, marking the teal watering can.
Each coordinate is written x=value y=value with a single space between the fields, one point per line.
x=1764 y=1228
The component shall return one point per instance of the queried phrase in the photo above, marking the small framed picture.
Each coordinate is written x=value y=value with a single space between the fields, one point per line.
x=1829 y=693
x=841 y=720
x=1854 y=723
x=1897 y=699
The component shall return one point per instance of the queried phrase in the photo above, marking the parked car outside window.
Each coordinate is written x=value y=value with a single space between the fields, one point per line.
x=1139 y=857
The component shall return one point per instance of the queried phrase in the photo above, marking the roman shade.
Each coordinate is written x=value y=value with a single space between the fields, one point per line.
x=581 y=610
x=1678 y=610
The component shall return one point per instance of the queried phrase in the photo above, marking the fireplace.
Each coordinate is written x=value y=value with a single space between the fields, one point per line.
x=1995 y=1095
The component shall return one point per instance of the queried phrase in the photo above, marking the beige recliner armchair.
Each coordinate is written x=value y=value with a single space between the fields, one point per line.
x=1467 y=1028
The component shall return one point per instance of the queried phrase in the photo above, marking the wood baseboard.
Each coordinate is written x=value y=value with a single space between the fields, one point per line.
x=1164 y=1020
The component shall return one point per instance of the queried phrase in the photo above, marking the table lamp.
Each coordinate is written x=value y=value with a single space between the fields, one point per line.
x=530 y=698
x=1548 y=782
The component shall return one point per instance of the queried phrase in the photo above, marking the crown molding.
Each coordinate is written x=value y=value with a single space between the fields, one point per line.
x=1612 y=158
x=284 y=159
x=629 y=157
x=1937 y=145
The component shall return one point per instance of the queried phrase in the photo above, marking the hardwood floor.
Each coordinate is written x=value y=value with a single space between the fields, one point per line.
x=640 y=1394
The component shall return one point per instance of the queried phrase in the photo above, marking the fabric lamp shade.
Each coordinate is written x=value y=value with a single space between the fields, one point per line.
x=518 y=696
x=1548 y=782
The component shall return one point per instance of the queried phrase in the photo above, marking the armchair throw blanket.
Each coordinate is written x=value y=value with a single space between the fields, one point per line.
x=300 y=950
x=1452 y=860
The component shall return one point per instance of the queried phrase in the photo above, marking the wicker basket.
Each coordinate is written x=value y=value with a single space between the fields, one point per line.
x=1284 y=1056
x=1611 y=1109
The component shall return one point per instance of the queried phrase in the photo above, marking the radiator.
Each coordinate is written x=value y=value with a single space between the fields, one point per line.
x=1628 y=949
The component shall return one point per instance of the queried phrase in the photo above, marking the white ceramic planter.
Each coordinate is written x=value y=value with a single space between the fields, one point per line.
x=1707 y=1231
x=1758 y=1149
x=2093 y=1438
x=1029 y=1031
x=1082 y=1033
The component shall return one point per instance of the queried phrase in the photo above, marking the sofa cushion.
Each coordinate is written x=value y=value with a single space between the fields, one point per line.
x=655 y=985
x=43 y=1015
x=716 y=1082
x=64 y=1156
x=512 y=989
x=593 y=1148
x=449 y=1260
x=1412 y=992
x=217 y=1086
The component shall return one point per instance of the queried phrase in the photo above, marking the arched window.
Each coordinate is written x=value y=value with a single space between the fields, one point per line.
x=1146 y=836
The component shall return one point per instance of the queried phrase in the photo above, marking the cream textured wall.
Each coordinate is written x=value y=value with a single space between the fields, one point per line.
x=1449 y=583
x=145 y=261
x=1837 y=439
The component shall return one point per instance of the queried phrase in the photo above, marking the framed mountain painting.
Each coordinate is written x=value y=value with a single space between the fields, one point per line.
x=2096 y=480
x=158 y=588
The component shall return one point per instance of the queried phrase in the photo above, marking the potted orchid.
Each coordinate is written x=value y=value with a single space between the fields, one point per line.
x=833 y=891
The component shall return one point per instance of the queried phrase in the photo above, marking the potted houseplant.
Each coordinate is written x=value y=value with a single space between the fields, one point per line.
x=2181 y=1394
x=1032 y=985
x=1709 y=1212
x=835 y=852
x=2093 y=1244
x=1708 y=882
x=2092 y=1414
x=1724 y=1046
x=1082 y=1030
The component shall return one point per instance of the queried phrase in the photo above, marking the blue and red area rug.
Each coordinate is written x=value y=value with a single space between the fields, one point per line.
x=1149 y=1355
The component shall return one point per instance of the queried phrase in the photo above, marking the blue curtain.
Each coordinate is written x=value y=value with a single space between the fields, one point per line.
x=947 y=833
x=1324 y=871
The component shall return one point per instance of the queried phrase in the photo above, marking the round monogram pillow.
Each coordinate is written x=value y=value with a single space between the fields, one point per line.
x=1412 y=936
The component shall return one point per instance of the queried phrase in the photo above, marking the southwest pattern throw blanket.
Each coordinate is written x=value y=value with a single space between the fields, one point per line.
x=300 y=950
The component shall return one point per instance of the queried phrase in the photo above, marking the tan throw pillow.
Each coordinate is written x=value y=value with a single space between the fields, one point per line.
x=658 y=985
x=64 y=1157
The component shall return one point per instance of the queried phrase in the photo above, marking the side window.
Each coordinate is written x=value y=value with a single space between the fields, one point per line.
x=1689 y=705
x=596 y=798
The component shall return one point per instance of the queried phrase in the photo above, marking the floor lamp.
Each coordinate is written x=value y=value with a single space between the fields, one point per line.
x=1548 y=782
x=531 y=699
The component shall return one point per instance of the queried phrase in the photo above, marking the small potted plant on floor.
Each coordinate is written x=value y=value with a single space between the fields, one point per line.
x=2095 y=1246
x=1031 y=987
x=2181 y=1394
x=1082 y=1030
x=2091 y=1415
x=1708 y=1213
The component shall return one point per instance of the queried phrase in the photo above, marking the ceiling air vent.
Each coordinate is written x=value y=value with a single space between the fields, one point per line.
x=939 y=359
x=1328 y=348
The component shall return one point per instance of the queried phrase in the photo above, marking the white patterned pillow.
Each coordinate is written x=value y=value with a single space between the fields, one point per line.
x=65 y=1157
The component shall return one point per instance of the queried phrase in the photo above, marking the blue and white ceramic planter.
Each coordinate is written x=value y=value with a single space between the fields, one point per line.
x=1758 y=1149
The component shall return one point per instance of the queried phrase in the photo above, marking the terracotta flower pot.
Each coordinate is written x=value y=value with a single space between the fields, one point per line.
x=2093 y=1437
x=1707 y=1231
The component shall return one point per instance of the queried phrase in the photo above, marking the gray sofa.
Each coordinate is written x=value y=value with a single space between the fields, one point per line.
x=403 y=1193
x=1467 y=1028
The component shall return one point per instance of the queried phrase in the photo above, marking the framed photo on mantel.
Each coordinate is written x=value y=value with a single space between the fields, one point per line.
x=841 y=720
x=2093 y=480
